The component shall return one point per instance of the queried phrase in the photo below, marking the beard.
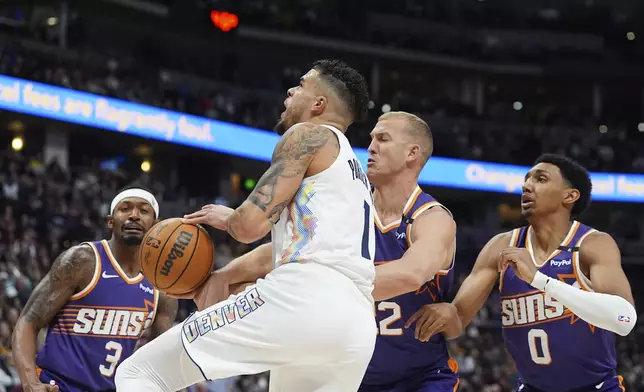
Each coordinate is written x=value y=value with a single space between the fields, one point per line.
x=132 y=240
x=281 y=127
x=289 y=117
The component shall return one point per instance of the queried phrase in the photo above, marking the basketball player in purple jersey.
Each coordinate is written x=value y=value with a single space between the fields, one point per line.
x=564 y=294
x=95 y=303
x=415 y=245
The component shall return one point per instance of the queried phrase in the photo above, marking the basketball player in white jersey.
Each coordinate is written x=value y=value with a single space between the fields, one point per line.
x=310 y=320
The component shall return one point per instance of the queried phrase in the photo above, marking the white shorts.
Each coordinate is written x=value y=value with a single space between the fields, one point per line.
x=306 y=323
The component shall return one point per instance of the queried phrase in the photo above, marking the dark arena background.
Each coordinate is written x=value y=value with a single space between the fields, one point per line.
x=181 y=95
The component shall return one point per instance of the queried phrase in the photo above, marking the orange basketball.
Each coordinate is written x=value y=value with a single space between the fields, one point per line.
x=175 y=257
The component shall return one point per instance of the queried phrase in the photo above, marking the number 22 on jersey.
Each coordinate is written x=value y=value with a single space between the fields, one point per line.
x=384 y=326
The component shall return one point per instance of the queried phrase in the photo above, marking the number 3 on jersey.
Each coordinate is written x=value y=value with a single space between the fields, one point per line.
x=111 y=359
x=365 y=231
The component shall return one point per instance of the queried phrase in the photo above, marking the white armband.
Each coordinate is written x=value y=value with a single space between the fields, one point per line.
x=606 y=311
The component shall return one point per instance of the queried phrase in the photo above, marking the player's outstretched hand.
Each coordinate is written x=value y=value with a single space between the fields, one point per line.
x=521 y=261
x=432 y=319
x=40 y=388
x=214 y=290
x=211 y=215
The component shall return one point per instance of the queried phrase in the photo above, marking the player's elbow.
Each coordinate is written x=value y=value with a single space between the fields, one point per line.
x=248 y=231
x=627 y=323
x=246 y=237
x=624 y=330
x=412 y=280
x=22 y=328
x=15 y=336
x=423 y=272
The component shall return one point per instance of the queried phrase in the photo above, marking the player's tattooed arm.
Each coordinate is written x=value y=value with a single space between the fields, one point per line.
x=166 y=314
x=72 y=270
x=290 y=163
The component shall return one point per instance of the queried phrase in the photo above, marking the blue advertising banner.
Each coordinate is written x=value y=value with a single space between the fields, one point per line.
x=116 y=115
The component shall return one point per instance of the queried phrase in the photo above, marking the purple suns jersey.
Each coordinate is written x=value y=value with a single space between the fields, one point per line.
x=398 y=354
x=554 y=350
x=98 y=328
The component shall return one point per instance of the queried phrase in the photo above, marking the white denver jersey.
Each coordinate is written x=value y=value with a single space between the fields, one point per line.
x=330 y=221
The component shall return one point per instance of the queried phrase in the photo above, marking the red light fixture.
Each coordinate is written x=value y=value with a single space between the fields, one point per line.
x=224 y=21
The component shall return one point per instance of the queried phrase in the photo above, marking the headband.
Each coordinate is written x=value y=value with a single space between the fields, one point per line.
x=135 y=192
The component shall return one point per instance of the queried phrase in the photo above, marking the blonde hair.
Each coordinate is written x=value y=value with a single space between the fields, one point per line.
x=418 y=129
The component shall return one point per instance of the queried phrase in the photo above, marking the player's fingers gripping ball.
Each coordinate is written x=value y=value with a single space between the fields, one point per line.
x=177 y=257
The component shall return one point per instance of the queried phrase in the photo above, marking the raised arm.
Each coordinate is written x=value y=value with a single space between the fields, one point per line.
x=275 y=189
x=432 y=248
x=71 y=271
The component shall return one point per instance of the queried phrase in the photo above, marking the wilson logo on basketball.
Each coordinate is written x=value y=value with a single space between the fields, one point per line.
x=183 y=240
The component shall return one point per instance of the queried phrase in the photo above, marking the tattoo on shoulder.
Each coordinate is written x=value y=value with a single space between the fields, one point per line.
x=291 y=158
x=72 y=269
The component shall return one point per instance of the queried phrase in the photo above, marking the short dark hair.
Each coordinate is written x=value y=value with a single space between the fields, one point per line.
x=575 y=175
x=348 y=83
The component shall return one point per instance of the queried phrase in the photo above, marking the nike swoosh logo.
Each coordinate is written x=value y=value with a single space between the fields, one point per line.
x=599 y=386
x=106 y=276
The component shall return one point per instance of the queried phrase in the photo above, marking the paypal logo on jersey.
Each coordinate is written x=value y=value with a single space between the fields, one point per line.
x=560 y=263
x=146 y=288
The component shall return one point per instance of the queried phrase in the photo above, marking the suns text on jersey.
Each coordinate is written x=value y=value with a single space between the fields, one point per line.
x=532 y=308
x=220 y=316
x=111 y=322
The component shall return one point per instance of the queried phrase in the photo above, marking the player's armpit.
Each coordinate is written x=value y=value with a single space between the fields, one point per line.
x=275 y=189
x=166 y=313
x=601 y=255
x=432 y=238
x=479 y=284
x=71 y=271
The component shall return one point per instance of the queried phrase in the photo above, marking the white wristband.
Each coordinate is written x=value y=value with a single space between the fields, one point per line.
x=540 y=280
